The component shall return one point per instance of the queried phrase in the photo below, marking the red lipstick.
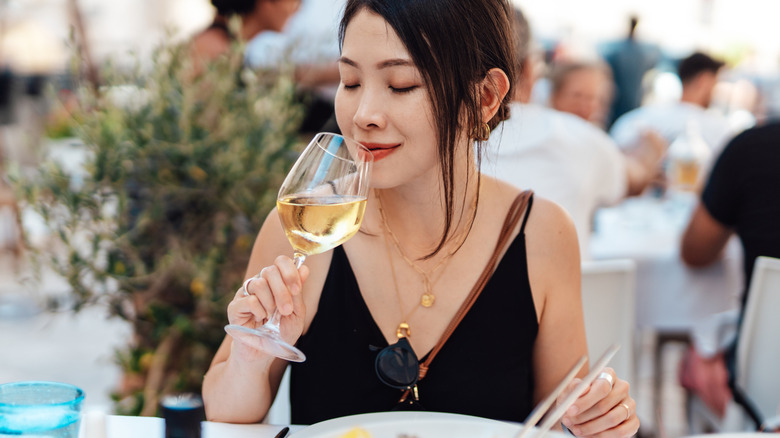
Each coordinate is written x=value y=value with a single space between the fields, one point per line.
x=380 y=150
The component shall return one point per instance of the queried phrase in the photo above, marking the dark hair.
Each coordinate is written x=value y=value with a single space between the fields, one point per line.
x=450 y=66
x=230 y=7
x=696 y=64
x=633 y=21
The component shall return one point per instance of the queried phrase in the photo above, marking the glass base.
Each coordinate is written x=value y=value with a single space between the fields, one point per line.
x=266 y=340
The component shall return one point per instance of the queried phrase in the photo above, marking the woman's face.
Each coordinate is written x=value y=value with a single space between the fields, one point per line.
x=586 y=93
x=382 y=102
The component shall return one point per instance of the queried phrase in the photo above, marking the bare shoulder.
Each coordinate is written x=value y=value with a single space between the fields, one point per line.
x=550 y=227
x=546 y=219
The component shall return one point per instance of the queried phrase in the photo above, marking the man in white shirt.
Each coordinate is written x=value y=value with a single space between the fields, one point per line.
x=562 y=157
x=699 y=75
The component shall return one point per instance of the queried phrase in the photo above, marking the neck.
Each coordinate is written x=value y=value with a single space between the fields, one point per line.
x=418 y=222
x=692 y=97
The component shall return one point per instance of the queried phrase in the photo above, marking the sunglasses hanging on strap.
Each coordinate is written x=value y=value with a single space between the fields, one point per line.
x=397 y=366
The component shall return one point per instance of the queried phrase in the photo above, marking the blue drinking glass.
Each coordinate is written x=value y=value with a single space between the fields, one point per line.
x=52 y=409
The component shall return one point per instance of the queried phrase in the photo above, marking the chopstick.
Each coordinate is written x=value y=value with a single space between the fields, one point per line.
x=557 y=413
x=545 y=404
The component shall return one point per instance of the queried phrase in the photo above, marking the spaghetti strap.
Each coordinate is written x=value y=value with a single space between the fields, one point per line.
x=527 y=212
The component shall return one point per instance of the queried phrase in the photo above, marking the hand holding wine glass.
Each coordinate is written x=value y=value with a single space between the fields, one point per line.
x=320 y=205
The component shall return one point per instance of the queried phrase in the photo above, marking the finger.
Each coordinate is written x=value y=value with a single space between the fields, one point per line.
x=603 y=410
x=619 y=393
x=261 y=292
x=297 y=300
x=278 y=275
x=292 y=280
x=583 y=409
x=246 y=308
x=619 y=421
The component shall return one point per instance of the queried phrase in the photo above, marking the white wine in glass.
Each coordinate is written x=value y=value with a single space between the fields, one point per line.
x=321 y=205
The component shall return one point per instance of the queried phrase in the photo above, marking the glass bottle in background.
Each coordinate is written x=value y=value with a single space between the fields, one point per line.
x=688 y=154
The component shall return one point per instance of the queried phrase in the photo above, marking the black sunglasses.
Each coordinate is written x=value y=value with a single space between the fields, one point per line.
x=397 y=367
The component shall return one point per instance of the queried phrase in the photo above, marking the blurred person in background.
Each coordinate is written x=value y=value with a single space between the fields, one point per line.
x=698 y=74
x=256 y=16
x=264 y=25
x=740 y=198
x=695 y=132
x=630 y=59
x=583 y=88
x=561 y=156
x=309 y=40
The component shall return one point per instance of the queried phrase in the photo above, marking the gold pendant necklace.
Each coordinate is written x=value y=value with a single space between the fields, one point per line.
x=427 y=298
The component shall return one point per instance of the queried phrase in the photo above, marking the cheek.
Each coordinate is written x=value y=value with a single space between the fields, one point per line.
x=344 y=110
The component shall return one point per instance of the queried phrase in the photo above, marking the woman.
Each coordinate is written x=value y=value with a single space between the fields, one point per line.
x=256 y=16
x=419 y=102
x=582 y=88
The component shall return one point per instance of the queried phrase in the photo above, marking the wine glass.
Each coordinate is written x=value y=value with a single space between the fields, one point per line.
x=321 y=205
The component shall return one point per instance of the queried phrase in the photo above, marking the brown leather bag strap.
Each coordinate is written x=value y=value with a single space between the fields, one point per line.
x=513 y=216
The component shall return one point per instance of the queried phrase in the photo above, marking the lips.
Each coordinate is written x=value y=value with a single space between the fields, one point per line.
x=381 y=150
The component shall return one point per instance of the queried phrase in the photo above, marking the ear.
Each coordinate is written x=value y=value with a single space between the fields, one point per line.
x=492 y=90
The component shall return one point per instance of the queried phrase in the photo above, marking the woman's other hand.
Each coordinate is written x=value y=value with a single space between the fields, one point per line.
x=605 y=409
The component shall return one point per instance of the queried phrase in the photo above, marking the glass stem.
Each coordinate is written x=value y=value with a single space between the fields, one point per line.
x=276 y=318
x=298 y=258
x=274 y=322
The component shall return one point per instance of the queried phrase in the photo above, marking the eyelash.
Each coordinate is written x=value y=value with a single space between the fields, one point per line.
x=404 y=90
x=395 y=90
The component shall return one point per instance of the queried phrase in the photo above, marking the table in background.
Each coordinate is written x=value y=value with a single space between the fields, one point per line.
x=670 y=297
x=118 y=426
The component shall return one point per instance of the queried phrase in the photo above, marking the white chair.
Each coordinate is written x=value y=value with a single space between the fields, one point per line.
x=608 y=302
x=758 y=347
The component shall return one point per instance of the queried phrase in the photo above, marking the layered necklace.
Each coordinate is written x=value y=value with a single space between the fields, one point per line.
x=427 y=298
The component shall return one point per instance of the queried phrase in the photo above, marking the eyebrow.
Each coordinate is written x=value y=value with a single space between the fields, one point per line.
x=395 y=62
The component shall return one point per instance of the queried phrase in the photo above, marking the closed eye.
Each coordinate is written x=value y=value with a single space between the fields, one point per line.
x=405 y=89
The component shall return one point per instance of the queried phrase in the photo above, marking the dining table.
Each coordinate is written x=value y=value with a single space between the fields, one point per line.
x=394 y=424
x=673 y=301
x=671 y=297
x=125 y=426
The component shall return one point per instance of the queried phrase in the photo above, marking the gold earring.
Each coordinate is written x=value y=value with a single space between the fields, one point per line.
x=481 y=132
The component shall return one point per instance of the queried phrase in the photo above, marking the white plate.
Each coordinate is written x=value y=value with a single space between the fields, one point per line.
x=414 y=424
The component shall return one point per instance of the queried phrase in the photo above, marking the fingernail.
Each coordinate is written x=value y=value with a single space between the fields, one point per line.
x=287 y=309
x=573 y=410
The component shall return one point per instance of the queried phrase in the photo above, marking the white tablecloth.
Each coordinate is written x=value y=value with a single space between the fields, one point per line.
x=670 y=296
x=117 y=426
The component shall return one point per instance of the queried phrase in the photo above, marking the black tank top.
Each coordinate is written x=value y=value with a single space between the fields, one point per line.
x=485 y=368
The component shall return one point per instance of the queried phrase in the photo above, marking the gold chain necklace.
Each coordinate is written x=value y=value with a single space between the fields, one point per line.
x=427 y=298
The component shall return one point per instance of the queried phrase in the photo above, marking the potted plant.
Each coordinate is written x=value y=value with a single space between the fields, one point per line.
x=181 y=170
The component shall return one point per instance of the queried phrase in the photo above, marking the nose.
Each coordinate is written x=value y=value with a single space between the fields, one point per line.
x=370 y=111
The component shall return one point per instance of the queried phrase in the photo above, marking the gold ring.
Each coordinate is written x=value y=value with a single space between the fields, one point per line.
x=628 y=411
